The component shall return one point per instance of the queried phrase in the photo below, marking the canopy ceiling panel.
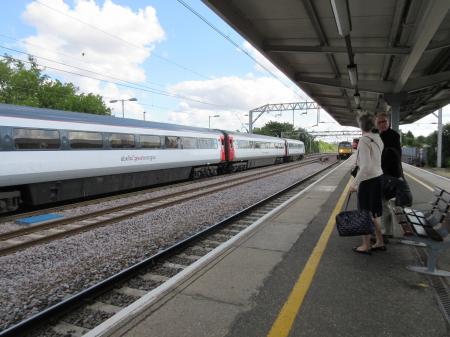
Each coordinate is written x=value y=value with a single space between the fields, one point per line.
x=398 y=51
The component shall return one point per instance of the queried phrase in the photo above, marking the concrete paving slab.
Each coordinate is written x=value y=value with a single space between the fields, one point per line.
x=276 y=236
x=316 y=195
x=302 y=211
x=216 y=319
x=229 y=284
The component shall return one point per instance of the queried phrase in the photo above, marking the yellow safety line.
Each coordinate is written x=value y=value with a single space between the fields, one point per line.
x=420 y=182
x=283 y=324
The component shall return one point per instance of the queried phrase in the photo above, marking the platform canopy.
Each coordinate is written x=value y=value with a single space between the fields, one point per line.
x=370 y=54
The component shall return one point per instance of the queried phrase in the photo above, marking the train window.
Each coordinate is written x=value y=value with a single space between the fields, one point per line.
x=122 y=141
x=207 y=143
x=189 y=143
x=85 y=140
x=36 y=139
x=244 y=144
x=172 y=142
x=150 y=142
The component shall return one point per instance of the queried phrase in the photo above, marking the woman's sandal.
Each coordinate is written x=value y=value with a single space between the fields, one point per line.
x=365 y=252
x=379 y=248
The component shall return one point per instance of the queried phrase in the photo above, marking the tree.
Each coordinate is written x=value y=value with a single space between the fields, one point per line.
x=23 y=85
x=432 y=150
x=274 y=129
x=421 y=141
x=408 y=139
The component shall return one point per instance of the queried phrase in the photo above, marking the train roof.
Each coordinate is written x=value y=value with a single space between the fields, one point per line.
x=293 y=140
x=79 y=117
x=252 y=135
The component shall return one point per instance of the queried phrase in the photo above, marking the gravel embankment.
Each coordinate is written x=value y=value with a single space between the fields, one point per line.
x=35 y=278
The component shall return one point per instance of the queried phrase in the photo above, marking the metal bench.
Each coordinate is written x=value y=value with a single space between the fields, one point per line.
x=430 y=228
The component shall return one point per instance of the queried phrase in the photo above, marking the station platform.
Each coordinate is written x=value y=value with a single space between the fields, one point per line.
x=291 y=275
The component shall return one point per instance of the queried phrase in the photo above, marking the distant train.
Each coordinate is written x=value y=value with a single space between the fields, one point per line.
x=344 y=150
x=49 y=156
x=415 y=156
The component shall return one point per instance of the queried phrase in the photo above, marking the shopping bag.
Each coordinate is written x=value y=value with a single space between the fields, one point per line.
x=353 y=223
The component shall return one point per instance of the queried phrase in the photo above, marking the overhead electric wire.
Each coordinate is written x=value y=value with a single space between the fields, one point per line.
x=153 y=91
x=121 y=39
x=133 y=85
x=66 y=55
x=226 y=37
x=168 y=60
x=91 y=71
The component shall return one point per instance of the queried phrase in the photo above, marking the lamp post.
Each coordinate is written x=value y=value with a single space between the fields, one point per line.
x=123 y=104
x=209 y=120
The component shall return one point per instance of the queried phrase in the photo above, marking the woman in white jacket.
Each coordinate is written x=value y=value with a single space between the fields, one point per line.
x=368 y=180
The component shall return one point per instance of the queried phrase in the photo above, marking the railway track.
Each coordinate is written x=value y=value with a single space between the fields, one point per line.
x=60 y=208
x=23 y=238
x=82 y=312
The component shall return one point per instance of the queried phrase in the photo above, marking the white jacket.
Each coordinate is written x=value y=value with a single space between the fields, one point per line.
x=368 y=158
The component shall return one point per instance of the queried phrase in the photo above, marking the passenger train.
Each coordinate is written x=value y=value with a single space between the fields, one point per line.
x=49 y=156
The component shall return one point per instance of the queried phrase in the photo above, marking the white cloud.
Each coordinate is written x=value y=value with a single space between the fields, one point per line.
x=233 y=97
x=235 y=92
x=61 y=37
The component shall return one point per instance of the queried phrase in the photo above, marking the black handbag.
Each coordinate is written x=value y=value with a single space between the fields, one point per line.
x=403 y=195
x=354 y=172
x=353 y=223
x=397 y=188
x=389 y=185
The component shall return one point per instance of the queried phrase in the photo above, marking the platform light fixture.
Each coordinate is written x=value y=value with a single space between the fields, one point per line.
x=209 y=120
x=357 y=99
x=342 y=16
x=353 y=74
x=133 y=99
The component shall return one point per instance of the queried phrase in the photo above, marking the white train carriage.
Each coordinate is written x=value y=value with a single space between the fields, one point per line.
x=295 y=149
x=250 y=150
x=49 y=156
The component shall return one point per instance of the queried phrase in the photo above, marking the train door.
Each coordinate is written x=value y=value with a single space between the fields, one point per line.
x=222 y=148
x=230 y=148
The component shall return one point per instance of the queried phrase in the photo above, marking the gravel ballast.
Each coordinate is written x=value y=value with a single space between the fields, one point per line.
x=38 y=277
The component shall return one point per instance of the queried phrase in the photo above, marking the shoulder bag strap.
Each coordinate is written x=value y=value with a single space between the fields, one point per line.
x=372 y=141
x=348 y=200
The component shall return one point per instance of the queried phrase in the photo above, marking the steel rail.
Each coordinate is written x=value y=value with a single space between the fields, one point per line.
x=77 y=300
x=64 y=205
x=81 y=223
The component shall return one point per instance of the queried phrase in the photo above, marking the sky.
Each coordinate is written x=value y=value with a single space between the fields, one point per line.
x=179 y=68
